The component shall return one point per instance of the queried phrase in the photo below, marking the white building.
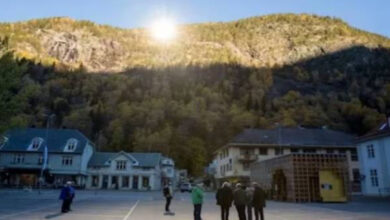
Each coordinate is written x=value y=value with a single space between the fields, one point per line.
x=374 y=154
x=135 y=171
x=234 y=159
x=168 y=170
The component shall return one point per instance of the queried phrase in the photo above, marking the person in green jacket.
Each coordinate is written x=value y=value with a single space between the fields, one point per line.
x=197 y=200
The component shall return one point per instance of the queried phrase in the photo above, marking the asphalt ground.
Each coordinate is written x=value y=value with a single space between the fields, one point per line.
x=124 y=205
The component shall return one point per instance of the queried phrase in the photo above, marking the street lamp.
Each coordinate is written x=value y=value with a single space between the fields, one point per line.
x=279 y=137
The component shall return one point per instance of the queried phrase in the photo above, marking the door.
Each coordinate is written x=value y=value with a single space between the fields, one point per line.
x=135 y=182
x=332 y=187
x=114 y=182
x=105 y=182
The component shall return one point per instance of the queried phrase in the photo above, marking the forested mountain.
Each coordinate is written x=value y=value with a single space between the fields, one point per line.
x=186 y=98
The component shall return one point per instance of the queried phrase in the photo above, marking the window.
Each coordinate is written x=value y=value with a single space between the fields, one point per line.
x=374 y=178
x=356 y=175
x=246 y=166
x=3 y=140
x=40 y=160
x=125 y=181
x=18 y=158
x=67 y=160
x=309 y=151
x=35 y=144
x=354 y=155
x=263 y=151
x=95 y=181
x=294 y=150
x=370 y=151
x=71 y=145
x=278 y=151
x=145 y=182
x=121 y=165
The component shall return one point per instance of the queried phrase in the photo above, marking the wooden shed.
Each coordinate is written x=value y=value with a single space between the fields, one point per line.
x=304 y=177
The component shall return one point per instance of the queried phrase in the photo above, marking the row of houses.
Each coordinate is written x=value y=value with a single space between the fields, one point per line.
x=72 y=157
x=367 y=158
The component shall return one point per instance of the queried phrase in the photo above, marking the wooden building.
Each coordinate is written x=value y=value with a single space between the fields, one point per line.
x=304 y=177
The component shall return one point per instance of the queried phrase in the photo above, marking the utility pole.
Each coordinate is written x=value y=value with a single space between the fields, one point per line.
x=45 y=152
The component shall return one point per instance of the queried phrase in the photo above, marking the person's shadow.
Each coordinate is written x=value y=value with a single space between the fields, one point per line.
x=53 y=215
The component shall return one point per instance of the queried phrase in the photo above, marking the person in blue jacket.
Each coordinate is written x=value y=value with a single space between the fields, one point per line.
x=65 y=196
x=72 y=193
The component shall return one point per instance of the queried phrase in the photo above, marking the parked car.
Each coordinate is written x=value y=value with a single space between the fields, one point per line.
x=185 y=187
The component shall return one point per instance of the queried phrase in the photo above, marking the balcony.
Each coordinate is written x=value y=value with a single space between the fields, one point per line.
x=247 y=158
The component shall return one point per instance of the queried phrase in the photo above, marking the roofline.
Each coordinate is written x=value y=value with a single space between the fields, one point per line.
x=371 y=137
x=287 y=145
x=281 y=145
x=39 y=152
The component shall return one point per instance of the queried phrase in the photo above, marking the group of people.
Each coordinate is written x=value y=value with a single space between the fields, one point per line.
x=248 y=200
x=67 y=195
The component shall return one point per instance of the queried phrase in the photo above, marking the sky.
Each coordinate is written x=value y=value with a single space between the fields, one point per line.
x=369 y=15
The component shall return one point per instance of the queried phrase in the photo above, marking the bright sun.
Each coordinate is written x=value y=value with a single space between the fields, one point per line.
x=163 y=30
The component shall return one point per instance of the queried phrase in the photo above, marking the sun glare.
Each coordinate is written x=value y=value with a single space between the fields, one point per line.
x=163 y=30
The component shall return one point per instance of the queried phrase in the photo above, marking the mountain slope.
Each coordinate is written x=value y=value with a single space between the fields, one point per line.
x=267 y=41
x=187 y=98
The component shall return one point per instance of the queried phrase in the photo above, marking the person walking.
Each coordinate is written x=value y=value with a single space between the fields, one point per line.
x=249 y=202
x=240 y=201
x=168 y=194
x=224 y=198
x=65 y=196
x=258 y=202
x=197 y=200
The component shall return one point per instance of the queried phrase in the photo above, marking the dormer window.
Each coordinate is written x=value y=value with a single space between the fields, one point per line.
x=71 y=145
x=3 y=140
x=35 y=144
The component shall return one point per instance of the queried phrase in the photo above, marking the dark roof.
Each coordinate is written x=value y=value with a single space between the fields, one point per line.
x=147 y=159
x=294 y=137
x=144 y=159
x=383 y=130
x=20 y=139
x=99 y=159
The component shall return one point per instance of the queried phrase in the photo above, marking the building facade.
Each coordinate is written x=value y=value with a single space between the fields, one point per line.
x=374 y=154
x=168 y=172
x=233 y=160
x=22 y=157
x=71 y=157
x=126 y=171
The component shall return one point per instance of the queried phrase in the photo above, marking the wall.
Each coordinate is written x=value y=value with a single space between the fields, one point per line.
x=380 y=163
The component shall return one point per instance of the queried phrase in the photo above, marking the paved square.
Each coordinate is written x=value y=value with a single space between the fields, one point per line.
x=124 y=205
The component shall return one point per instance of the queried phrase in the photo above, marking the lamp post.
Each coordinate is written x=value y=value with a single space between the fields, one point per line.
x=45 y=152
x=279 y=137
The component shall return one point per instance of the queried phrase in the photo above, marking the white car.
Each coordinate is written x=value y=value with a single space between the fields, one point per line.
x=185 y=187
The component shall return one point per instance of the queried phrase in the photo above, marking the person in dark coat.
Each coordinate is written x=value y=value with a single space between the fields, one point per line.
x=258 y=202
x=249 y=200
x=224 y=198
x=65 y=196
x=240 y=201
x=168 y=194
